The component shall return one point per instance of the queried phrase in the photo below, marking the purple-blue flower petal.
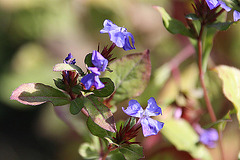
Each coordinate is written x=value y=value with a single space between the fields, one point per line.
x=212 y=3
x=224 y=6
x=99 y=61
x=152 y=109
x=94 y=70
x=118 y=35
x=134 y=109
x=209 y=137
x=236 y=15
x=92 y=80
x=97 y=83
x=108 y=26
x=128 y=45
x=118 y=38
x=150 y=126
x=68 y=60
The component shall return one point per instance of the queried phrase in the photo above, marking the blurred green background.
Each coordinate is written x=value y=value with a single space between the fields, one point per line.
x=37 y=34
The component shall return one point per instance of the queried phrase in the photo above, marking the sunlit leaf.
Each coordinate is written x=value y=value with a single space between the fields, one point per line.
x=183 y=137
x=172 y=25
x=37 y=93
x=230 y=77
x=67 y=67
x=130 y=75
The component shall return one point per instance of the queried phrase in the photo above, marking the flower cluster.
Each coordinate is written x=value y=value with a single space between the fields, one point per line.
x=92 y=79
x=68 y=59
x=215 y=3
x=69 y=75
x=149 y=126
x=118 y=35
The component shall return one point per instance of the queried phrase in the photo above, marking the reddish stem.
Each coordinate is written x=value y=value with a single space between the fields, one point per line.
x=206 y=97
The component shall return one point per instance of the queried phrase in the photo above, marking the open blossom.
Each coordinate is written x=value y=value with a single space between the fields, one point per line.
x=118 y=35
x=209 y=137
x=92 y=79
x=149 y=125
x=215 y=3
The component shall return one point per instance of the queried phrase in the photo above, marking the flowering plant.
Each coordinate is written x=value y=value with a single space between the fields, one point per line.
x=95 y=93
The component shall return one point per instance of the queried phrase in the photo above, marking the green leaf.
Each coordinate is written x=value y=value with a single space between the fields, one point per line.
x=130 y=75
x=183 y=137
x=116 y=155
x=59 y=83
x=96 y=130
x=76 y=105
x=221 y=26
x=172 y=25
x=88 y=60
x=107 y=90
x=230 y=77
x=37 y=93
x=67 y=67
x=100 y=113
x=132 y=152
x=77 y=89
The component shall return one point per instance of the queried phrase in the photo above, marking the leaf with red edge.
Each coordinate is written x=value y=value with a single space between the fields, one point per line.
x=100 y=113
x=37 y=93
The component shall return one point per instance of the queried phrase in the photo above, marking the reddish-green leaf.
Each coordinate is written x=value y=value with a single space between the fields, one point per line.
x=37 y=93
x=100 y=113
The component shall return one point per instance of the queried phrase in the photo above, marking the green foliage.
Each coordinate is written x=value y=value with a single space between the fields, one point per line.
x=116 y=155
x=132 y=152
x=37 y=93
x=88 y=60
x=132 y=77
x=172 y=25
x=183 y=137
x=230 y=77
x=107 y=90
x=100 y=113
x=96 y=130
x=221 y=26
x=76 y=105
x=59 y=83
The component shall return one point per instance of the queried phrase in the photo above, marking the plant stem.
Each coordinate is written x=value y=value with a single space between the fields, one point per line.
x=206 y=97
x=104 y=155
x=201 y=76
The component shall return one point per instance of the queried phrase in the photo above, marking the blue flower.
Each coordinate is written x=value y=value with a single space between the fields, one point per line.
x=92 y=79
x=68 y=59
x=215 y=3
x=118 y=35
x=149 y=125
x=100 y=63
x=209 y=137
